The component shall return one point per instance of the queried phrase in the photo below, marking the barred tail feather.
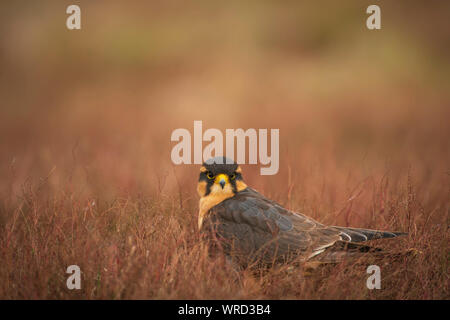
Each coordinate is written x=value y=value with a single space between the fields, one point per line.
x=360 y=235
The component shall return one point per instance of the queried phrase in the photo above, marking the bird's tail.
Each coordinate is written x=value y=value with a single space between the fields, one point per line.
x=349 y=247
x=342 y=250
x=360 y=235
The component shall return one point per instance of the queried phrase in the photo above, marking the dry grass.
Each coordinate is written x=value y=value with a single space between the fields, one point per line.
x=85 y=136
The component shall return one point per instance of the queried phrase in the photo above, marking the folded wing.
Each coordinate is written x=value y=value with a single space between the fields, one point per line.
x=254 y=228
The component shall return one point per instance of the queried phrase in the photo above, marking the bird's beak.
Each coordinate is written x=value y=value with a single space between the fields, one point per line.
x=222 y=180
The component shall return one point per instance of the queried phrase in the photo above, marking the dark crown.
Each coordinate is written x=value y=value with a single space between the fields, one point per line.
x=220 y=165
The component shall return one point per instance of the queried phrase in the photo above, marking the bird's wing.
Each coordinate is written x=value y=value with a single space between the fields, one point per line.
x=262 y=227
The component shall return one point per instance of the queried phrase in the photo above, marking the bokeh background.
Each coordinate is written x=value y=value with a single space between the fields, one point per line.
x=86 y=118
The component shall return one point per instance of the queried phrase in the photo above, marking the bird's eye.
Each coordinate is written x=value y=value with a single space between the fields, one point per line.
x=233 y=176
x=209 y=175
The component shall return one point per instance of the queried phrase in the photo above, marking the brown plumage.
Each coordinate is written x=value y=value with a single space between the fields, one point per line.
x=252 y=229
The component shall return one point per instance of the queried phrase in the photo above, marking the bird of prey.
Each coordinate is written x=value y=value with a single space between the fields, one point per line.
x=254 y=230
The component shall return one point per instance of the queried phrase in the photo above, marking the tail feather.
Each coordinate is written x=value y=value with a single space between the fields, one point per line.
x=360 y=235
x=342 y=250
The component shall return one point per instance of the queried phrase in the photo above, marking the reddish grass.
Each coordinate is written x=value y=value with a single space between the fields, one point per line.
x=141 y=240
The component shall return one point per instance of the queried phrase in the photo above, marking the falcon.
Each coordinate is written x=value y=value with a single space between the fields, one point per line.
x=252 y=229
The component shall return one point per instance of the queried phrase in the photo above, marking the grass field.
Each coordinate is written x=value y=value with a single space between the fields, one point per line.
x=86 y=118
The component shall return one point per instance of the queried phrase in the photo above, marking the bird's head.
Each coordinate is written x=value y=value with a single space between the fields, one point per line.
x=220 y=176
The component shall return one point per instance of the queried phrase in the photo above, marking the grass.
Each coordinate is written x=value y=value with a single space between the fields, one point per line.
x=86 y=176
x=142 y=241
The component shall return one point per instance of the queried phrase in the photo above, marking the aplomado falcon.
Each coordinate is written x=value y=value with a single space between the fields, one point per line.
x=253 y=229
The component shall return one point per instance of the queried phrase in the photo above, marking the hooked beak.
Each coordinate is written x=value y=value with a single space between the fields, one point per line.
x=222 y=180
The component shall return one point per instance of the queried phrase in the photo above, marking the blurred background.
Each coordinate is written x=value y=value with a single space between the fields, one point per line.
x=91 y=111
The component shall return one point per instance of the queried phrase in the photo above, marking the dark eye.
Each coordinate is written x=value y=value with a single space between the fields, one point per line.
x=233 y=176
x=209 y=175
